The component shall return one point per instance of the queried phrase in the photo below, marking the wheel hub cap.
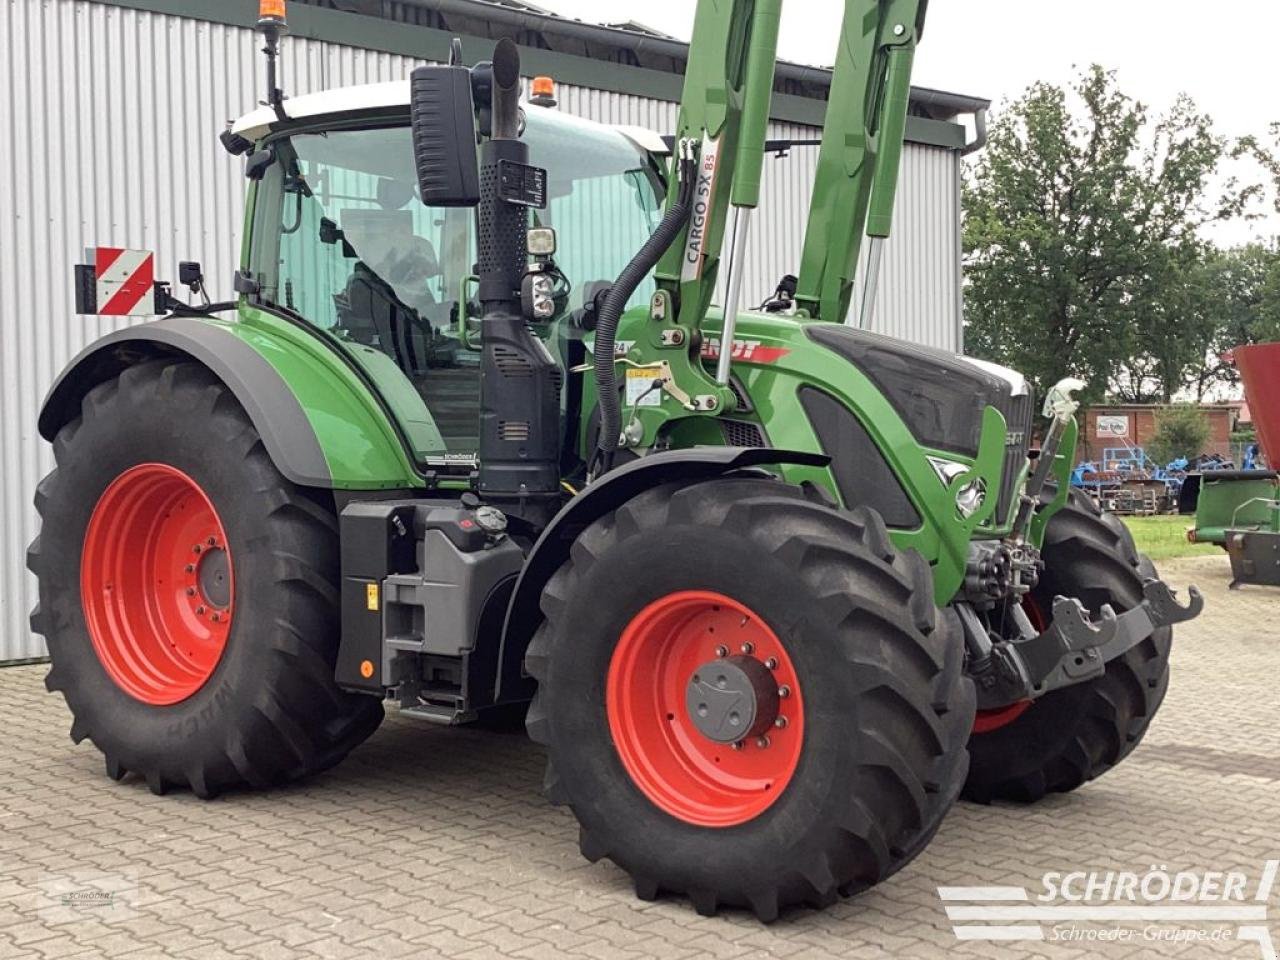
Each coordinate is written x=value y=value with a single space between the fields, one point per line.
x=732 y=698
x=214 y=578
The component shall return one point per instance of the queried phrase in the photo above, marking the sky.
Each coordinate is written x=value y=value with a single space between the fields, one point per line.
x=1223 y=53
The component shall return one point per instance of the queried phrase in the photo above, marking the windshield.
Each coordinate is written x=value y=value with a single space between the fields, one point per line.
x=341 y=239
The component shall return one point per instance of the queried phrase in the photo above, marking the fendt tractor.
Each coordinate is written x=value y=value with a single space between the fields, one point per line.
x=472 y=438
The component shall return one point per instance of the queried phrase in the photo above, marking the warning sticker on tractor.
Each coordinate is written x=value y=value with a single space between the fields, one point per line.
x=371 y=596
x=642 y=388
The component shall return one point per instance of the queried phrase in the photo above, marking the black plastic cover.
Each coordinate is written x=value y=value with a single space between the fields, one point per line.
x=863 y=476
x=938 y=395
x=444 y=136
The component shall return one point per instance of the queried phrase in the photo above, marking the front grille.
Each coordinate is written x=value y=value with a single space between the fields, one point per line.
x=1017 y=412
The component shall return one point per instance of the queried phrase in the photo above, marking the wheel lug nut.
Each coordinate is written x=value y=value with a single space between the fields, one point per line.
x=772 y=663
x=737 y=745
x=191 y=591
x=200 y=610
x=197 y=548
x=748 y=647
x=780 y=722
x=216 y=617
x=722 y=651
x=191 y=568
x=762 y=742
x=784 y=691
x=212 y=541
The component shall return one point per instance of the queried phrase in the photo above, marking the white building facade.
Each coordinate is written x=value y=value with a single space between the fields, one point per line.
x=109 y=138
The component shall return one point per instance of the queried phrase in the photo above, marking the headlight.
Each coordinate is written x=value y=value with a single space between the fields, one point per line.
x=970 y=498
x=538 y=296
x=947 y=470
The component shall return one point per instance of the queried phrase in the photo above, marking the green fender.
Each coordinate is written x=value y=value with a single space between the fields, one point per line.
x=318 y=419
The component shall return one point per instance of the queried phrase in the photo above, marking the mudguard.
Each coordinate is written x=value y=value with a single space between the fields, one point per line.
x=320 y=428
x=551 y=550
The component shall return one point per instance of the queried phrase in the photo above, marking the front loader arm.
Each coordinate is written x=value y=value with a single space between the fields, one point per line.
x=724 y=112
x=724 y=106
x=861 y=149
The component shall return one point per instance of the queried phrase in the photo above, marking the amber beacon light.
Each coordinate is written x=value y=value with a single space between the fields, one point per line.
x=271 y=13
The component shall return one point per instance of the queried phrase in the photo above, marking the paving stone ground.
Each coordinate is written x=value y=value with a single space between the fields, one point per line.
x=430 y=842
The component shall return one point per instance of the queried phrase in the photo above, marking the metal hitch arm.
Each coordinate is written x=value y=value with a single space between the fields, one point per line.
x=1074 y=648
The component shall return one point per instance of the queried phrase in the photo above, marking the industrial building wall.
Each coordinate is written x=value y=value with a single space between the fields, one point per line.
x=107 y=136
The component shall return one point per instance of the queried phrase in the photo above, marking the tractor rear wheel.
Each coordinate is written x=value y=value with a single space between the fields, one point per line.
x=188 y=591
x=747 y=696
x=1077 y=733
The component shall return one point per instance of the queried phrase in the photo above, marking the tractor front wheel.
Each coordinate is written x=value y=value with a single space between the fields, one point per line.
x=1077 y=733
x=747 y=697
x=188 y=591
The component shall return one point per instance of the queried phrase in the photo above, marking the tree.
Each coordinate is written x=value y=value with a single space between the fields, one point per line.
x=1080 y=228
x=1213 y=302
x=1181 y=431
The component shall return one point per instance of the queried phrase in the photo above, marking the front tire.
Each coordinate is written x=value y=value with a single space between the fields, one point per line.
x=788 y=592
x=1078 y=733
x=188 y=591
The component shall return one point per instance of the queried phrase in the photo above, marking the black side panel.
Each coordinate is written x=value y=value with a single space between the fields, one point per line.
x=937 y=394
x=376 y=541
x=266 y=398
x=862 y=474
x=606 y=494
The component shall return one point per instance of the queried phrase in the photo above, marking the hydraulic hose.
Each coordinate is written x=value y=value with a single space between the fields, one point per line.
x=615 y=301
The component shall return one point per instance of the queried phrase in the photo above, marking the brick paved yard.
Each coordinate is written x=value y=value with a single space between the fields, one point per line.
x=430 y=842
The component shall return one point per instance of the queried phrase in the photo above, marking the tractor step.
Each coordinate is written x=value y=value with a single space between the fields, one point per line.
x=445 y=714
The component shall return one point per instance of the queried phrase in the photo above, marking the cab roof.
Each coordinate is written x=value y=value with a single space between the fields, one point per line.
x=390 y=98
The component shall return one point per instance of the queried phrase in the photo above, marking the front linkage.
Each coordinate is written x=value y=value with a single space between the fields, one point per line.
x=1072 y=647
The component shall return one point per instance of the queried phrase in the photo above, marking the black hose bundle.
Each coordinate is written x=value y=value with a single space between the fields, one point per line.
x=615 y=302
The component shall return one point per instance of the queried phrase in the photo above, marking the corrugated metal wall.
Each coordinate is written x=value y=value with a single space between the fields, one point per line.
x=107 y=127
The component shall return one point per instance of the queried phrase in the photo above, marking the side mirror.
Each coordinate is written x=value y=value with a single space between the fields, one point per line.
x=444 y=136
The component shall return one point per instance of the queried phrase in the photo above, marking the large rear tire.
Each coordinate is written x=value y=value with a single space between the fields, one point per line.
x=1078 y=733
x=188 y=591
x=861 y=753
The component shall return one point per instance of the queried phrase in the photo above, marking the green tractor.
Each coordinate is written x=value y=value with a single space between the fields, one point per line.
x=773 y=591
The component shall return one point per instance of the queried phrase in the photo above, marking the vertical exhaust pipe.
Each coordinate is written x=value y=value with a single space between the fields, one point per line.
x=520 y=383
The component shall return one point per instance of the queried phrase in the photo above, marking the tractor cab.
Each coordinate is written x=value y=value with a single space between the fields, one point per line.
x=341 y=240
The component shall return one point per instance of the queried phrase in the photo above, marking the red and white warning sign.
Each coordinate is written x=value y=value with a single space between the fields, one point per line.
x=119 y=283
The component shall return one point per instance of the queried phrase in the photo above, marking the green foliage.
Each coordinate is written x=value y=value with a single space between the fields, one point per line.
x=1082 y=240
x=1165 y=538
x=1181 y=431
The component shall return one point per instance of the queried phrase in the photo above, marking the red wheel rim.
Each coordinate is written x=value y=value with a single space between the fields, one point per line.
x=986 y=721
x=682 y=771
x=156 y=584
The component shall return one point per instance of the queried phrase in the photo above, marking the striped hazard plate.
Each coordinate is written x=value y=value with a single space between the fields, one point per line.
x=118 y=283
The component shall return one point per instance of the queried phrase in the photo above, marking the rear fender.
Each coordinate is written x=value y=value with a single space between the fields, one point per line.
x=319 y=424
x=690 y=465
